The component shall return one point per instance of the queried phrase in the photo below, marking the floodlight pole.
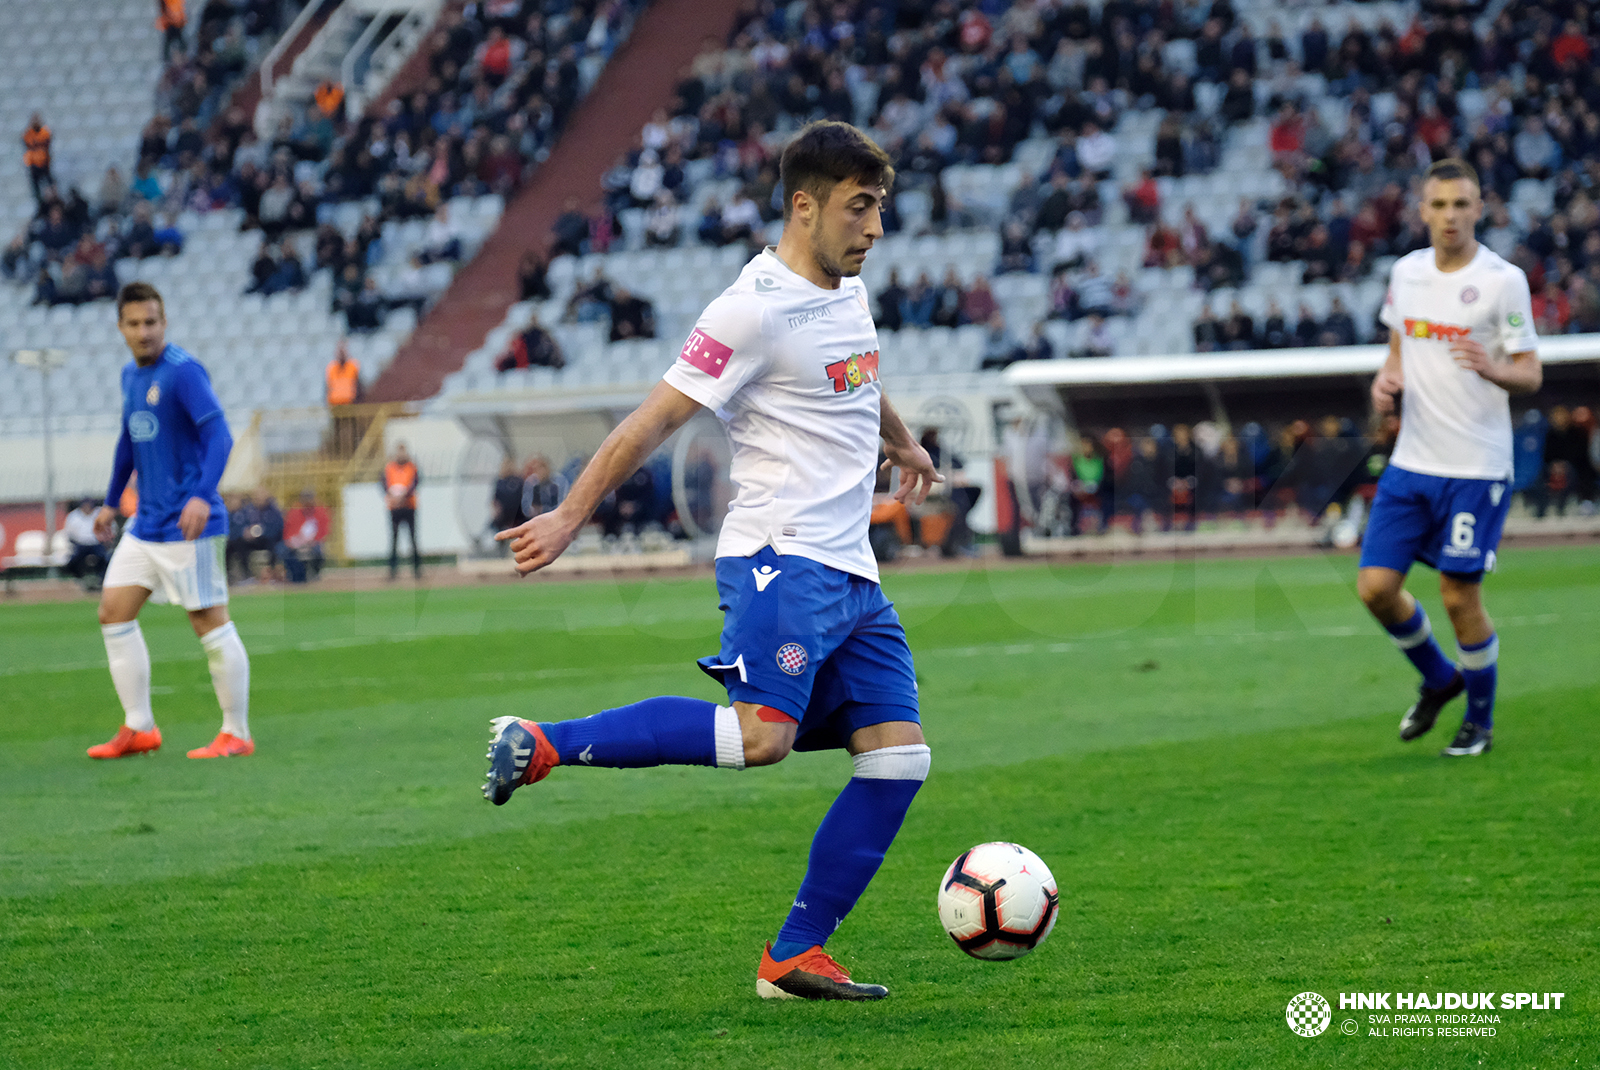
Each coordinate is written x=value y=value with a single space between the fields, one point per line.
x=45 y=360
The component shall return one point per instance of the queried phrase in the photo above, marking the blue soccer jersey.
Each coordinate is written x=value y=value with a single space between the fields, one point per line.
x=164 y=407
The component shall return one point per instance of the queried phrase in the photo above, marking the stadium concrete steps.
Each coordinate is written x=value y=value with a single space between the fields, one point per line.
x=637 y=80
x=247 y=94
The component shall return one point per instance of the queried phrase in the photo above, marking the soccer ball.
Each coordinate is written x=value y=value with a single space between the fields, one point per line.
x=998 y=901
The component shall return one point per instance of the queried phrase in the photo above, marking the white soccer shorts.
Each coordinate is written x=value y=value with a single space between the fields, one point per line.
x=191 y=574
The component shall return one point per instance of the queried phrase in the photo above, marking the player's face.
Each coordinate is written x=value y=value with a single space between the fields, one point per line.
x=846 y=227
x=1451 y=209
x=144 y=328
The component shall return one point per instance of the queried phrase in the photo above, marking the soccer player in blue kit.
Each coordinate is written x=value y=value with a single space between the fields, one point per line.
x=813 y=656
x=175 y=436
x=1460 y=341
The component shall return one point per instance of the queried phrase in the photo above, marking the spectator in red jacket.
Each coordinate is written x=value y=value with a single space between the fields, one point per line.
x=304 y=530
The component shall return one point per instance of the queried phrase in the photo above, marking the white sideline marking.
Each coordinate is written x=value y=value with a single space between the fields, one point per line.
x=1539 y=620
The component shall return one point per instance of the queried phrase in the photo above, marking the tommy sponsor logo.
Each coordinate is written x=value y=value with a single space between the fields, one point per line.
x=706 y=353
x=765 y=575
x=792 y=658
x=854 y=371
x=806 y=317
x=1441 y=332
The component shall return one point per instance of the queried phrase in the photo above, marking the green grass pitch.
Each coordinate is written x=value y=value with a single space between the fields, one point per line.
x=1204 y=751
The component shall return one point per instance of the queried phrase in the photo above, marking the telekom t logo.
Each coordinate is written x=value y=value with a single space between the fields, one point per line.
x=706 y=353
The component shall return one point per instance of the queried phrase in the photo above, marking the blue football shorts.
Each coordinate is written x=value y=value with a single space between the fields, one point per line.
x=1452 y=525
x=817 y=643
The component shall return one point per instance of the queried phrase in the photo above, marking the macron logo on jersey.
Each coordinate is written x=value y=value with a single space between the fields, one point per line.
x=1443 y=332
x=706 y=353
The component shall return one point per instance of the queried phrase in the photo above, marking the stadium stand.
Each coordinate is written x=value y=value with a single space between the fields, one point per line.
x=402 y=197
x=1120 y=178
x=1244 y=144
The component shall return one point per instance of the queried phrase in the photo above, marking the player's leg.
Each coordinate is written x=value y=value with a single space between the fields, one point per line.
x=230 y=680
x=891 y=762
x=767 y=674
x=868 y=689
x=1476 y=510
x=1479 y=657
x=126 y=653
x=1399 y=532
x=195 y=575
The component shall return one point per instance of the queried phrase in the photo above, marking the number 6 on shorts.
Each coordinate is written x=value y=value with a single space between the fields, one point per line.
x=1461 y=530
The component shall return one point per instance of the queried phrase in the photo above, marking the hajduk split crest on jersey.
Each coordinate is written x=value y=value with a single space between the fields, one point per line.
x=792 y=371
x=1453 y=422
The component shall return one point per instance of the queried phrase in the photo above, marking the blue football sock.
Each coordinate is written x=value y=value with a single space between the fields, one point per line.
x=1480 y=669
x=658 y=731
x=1415 y=639
x=850 y=844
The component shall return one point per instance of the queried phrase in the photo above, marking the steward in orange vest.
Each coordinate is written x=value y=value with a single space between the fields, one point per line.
x=344 y=379
x=170 y=20
x=330 y=98
x=400 y=492
x=36 y=153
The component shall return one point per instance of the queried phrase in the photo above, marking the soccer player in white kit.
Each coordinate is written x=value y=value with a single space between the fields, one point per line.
x=812 y=654
x=1461 y=341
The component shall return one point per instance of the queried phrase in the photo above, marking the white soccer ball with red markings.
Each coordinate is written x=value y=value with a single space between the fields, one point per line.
x=998 y=901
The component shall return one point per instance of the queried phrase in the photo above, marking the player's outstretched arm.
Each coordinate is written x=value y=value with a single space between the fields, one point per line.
x=541 y=540
x=1390 y=380
x=917 y=473
x=1522 y=374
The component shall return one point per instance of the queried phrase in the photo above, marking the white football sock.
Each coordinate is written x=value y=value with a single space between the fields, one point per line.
x=729 y=738
x=130 y=672
x=230 y=676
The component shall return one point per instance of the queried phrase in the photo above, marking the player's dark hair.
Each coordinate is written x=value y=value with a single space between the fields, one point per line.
x=1451 y=169
x=826 y=153
x=135 y=292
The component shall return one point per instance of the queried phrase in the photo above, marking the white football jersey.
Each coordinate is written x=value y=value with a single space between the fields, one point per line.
x=792 y=370
x=1453 y=422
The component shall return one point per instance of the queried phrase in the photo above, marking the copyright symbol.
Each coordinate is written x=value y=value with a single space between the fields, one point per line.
x=1348 y=1027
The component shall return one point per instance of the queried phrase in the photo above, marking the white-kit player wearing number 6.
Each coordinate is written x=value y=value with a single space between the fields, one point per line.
x=1461 y=341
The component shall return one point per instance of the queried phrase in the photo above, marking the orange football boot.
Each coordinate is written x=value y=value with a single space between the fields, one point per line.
x=225 y=746
x=127 y=742
x=812 y=974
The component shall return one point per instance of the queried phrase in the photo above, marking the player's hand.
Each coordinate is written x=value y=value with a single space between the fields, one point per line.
x=192 y=521
x=105 y=524
x=1385 y=386
x=917 y=473
x=1474 y=358
x=537 y=542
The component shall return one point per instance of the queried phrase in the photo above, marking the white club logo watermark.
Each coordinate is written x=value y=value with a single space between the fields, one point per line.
x=1308 y=1014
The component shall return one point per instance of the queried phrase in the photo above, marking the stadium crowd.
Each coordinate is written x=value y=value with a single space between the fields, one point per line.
x=503 y=78
x=1184 y=475
x=940 y=83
